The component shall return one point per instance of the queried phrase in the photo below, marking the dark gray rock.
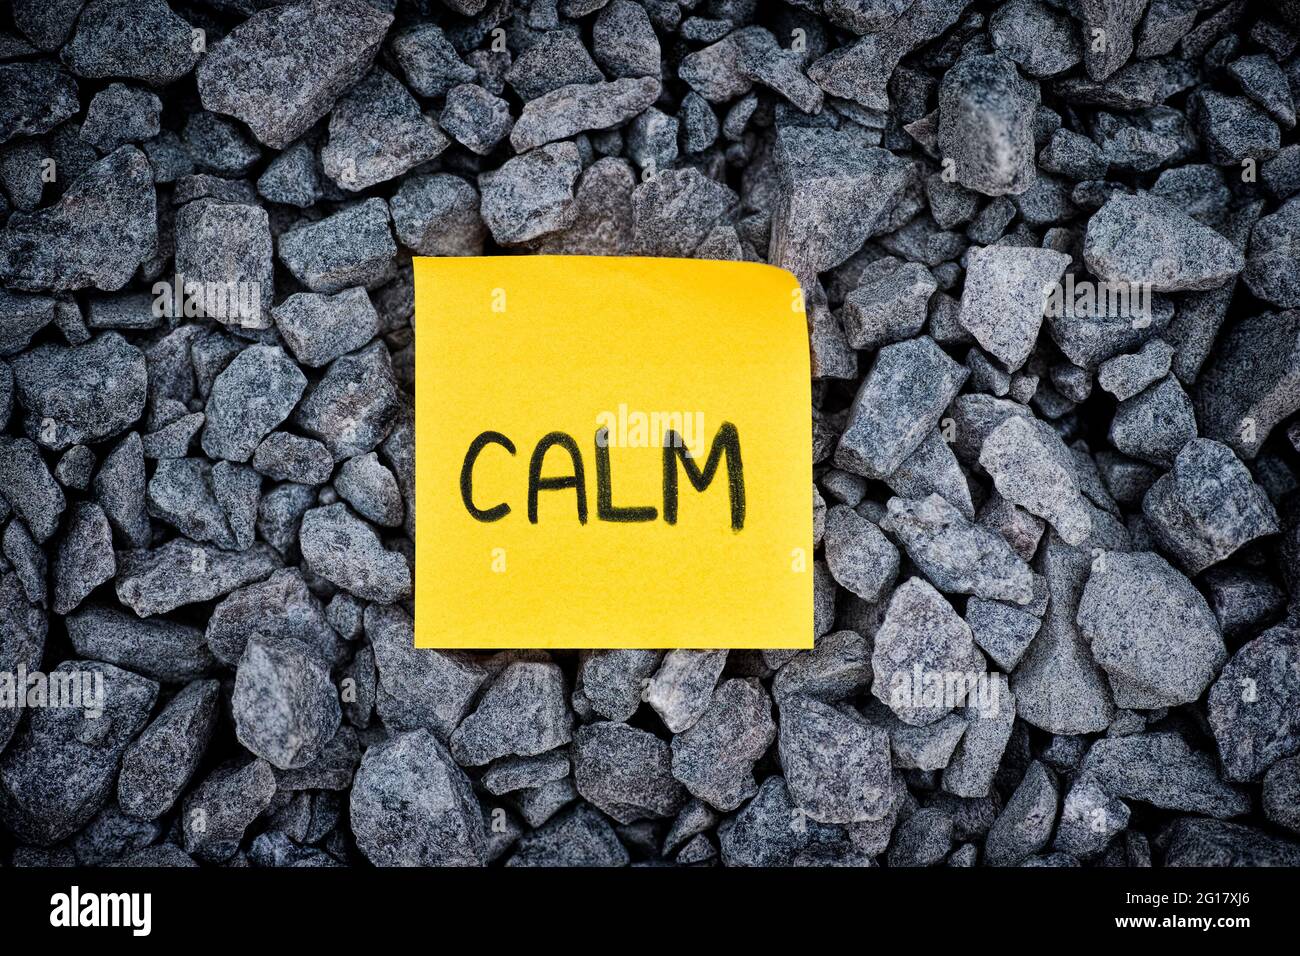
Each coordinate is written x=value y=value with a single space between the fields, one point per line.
x=158 y=765
x=58 y=771
x=523 y=713
x=353 y=406
x=956 y=555
x=682 y=687
x=184 y=572
x=98 y=233
x=900 y=401
x=377 y=132
x=29 y=487
x=836 y=764
x=625 y=772
x=1162 y=770
x=216 y=814
x=1207 y=506
x=1032 y=468
x=85 y=559
x=283 y=68
x=715 y=756
x=352 y=247
x=286 y=709
x=343 y=549
x=986 y=109
x=135 y=39
x=1150 y=630
x=1253 y=708
x=254 y=394
x=1025 y=824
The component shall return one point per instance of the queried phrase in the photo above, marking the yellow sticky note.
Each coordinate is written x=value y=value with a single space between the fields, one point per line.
x=579 y=371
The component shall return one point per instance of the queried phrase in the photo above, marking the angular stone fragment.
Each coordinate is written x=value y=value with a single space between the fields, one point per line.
x=282 y=69
x=836 y=764
x=1116 y=19
x=1042 y=41
x=1194 y=841
x=21 y=317
x=227 y=248
x=216 y=814
x=350 y=248
x=287 y=457
x=79 y=394
x=715 y=757
x=438 y=216
x=1254 y=706
x=164 y=650
x=1232 y=128
x=285 y=707
x=576 y=108
x=85 y=557
x=581 y=837
x=986 y=112
x=120 y=490
x=1160 y=769
x=319 y=328
x=158 y=765
x=861 y=72
x=1124 y=376
x=1146 y=240
x=427 y=59
x=625 y=772
x=475 y=118
x=923 y=638
x=888 y=306
x=292 y=177
x=858 y=555
x=181 y=493
x=184 y=572
x=933 y=469
x=623 y=41
x=1207 y=506
x=371 y=489
x=1281 y=794
x=683 y=686
x=614 y=680
x=352 y=408
x=1156 y=424
x=98 y=233
x=120 y=114
x=761 y=835
x=900 y=401
x=975 y=760
x=1005 y=295
x=1150 y=630
x=956 y=555
x=377 y=132
x=58 y=771
x=255 y=393
x=1002 y=632
x=1025 y=824
x=279 y=607
x=556 y=58
x=673 y=212
x=531 y=195
x=832 y=194
x=516 y=773
x=1032 y=468
x=1271 y=271
x=1252 y=382
x=343 y=549
x=136 y=39
x=29 y=488
x=523 y=713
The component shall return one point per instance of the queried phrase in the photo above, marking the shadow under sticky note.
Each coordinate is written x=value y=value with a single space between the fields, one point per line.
x=611 y=452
